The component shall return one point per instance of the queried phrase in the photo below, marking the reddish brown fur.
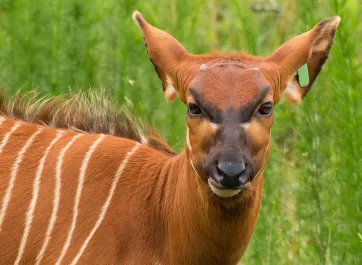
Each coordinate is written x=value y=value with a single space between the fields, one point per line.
x=237 y=85
x=162 y=211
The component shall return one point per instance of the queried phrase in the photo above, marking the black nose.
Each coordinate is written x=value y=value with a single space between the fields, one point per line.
x=230 y=169
x=232 y=175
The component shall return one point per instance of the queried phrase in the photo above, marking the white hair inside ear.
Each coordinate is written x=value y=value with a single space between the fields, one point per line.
x=170 y=92
x=294 y=92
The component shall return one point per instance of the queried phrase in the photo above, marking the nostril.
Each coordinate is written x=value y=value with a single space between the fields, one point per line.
x=231 y=169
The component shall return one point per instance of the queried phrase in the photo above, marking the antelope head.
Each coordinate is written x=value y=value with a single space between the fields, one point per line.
x=231 y=98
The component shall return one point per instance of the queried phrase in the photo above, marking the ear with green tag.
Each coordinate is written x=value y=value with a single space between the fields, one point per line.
x=300 y=60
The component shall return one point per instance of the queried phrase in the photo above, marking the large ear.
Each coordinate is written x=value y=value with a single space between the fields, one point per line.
x=166 y=54
x=307 y=52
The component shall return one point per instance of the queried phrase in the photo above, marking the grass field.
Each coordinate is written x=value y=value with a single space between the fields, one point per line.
x=312 y=201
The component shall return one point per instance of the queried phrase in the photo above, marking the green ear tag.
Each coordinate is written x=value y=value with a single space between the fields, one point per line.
x=303 y=75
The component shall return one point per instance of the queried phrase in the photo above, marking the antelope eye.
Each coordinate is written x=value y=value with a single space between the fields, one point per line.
x=194 y=110
x=266 y=109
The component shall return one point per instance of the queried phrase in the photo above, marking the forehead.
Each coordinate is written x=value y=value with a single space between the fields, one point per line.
x=229 y=85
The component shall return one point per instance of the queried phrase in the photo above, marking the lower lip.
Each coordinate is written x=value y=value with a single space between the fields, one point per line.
x=224 y=193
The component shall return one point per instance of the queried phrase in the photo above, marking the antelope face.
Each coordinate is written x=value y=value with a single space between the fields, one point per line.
x=229 y=116
x=230 y=99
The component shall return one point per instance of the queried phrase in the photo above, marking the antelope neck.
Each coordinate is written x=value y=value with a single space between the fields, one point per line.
x=191 y=211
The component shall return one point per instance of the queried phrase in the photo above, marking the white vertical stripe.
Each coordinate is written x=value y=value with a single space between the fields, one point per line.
x=188 y=143
x=56 y=200
x=30 y=213
x=82 y=172
x=7 y=136
x=14 y=172
x=108 y=201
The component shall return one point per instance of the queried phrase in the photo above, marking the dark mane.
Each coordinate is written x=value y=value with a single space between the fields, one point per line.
x=85 y=111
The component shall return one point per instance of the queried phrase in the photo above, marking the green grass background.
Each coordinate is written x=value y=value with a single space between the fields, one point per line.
x=312 y=200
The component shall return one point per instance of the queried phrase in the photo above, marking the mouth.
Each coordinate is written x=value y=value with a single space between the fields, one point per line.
x=223 y=192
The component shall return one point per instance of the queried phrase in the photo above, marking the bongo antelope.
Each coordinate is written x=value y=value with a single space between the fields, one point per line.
x=81 y=184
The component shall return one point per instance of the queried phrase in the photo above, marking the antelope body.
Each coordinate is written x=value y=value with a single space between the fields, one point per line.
x=75 y=193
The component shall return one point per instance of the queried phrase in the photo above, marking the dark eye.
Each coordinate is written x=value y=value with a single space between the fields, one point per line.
x=194 y=110
x=266 y=109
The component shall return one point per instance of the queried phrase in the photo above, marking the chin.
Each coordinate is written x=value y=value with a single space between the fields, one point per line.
x=223 y=192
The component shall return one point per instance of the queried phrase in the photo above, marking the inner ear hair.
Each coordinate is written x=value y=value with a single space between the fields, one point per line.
x=170 y=91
